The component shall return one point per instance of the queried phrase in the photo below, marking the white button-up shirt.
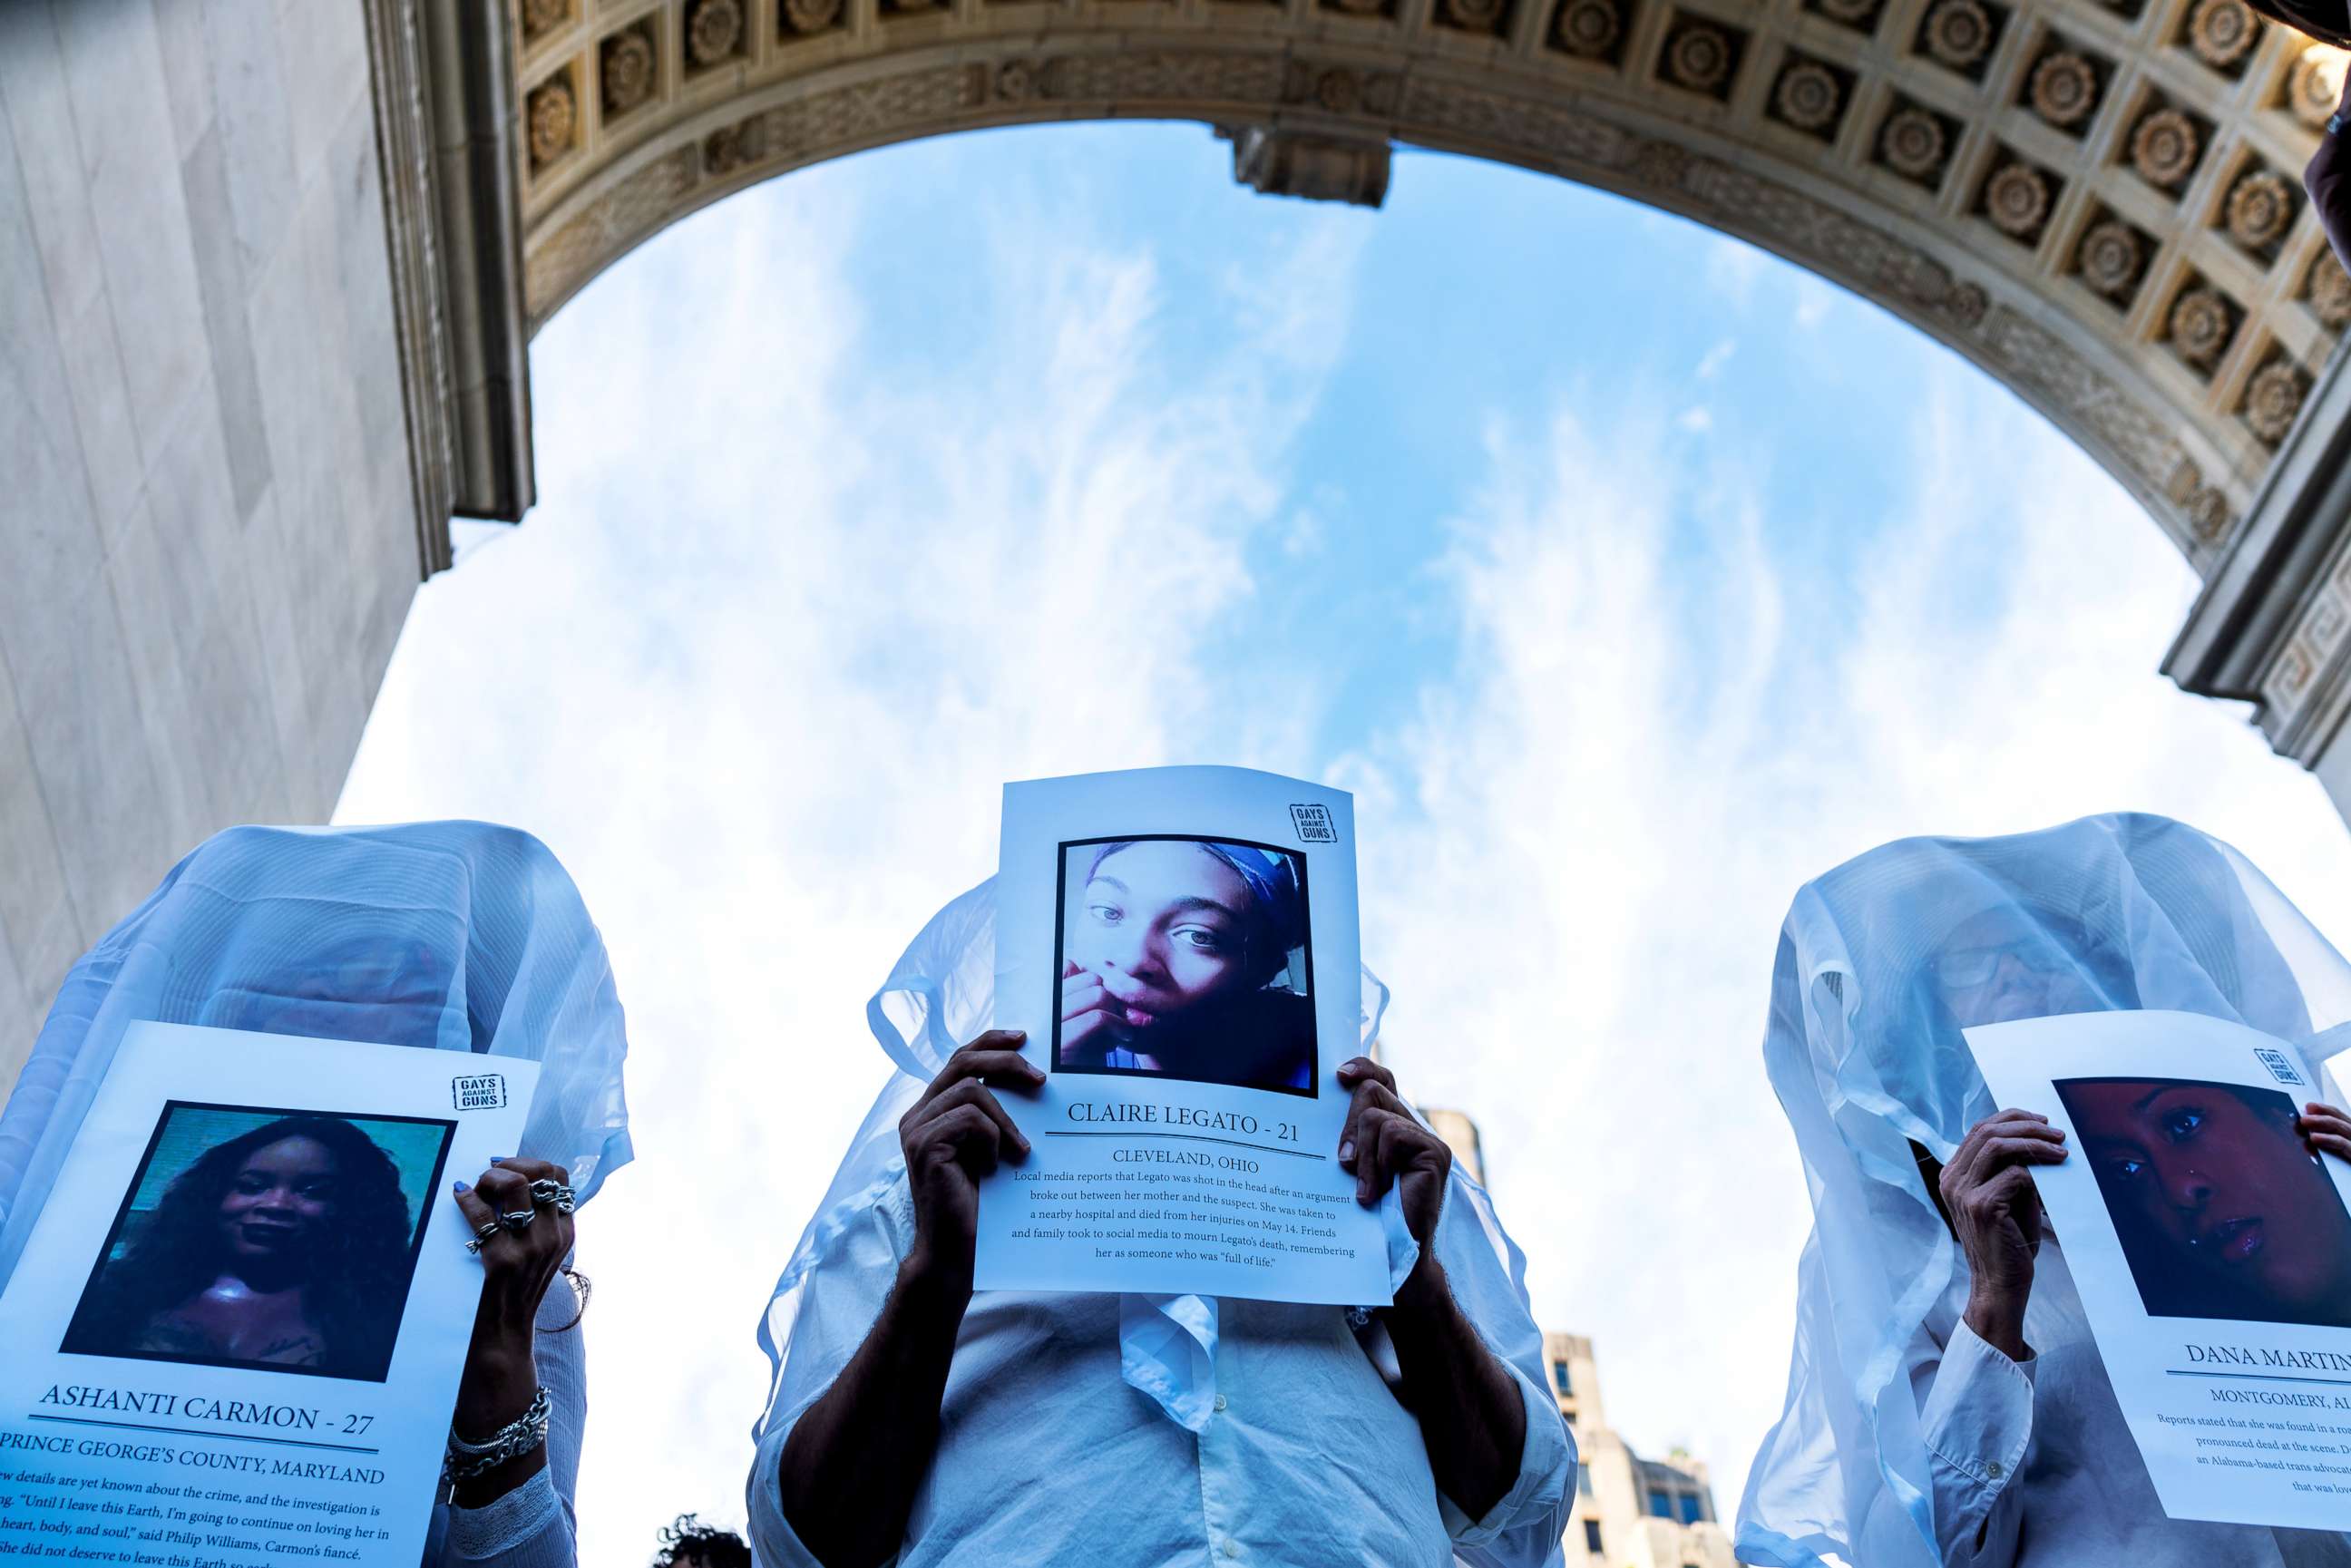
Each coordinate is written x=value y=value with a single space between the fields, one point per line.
x=1047 y=1456
x=2033 y=1466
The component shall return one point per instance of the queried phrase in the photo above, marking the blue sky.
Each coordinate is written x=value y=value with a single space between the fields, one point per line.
x=1629 y=578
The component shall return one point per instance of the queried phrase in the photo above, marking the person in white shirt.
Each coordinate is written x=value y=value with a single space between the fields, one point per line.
x=914 y=1422
x=1947 y=1404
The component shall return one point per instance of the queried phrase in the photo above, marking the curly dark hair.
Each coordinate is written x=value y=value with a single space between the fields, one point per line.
x=358 y=1274
x=690 y=1543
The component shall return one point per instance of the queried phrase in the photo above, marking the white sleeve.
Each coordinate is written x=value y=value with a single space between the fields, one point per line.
x=1977 y=1423
x=1524 y=1529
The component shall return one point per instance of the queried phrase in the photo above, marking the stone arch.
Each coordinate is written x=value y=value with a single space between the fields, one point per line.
x=2095 y=201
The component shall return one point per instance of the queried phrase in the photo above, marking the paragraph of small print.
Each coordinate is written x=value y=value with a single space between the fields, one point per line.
x=1314 y=824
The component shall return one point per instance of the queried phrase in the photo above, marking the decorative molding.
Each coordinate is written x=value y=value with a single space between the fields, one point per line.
x=411 y=227
x=2093 y=204
x=445 y=138
x=2115 y=286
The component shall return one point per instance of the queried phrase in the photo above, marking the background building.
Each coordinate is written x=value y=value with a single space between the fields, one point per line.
x=1630 y=1513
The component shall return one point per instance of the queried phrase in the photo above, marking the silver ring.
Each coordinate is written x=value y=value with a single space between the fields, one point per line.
x=553 y=1193
x=518 y=1219
x=481 y=1234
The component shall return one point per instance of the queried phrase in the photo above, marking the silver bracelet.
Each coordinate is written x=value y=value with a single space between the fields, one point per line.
x=526 y=1432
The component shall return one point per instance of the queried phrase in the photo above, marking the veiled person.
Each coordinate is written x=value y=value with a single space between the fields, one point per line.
x=914 y=1421
x=1946 y=1401
x=458 y=936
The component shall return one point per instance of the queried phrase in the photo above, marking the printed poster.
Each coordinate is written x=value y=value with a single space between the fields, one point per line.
x=235 y=1333
x=2212 y=1251
x=1181 y=946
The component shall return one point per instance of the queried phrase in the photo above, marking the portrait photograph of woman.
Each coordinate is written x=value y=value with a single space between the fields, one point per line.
x=2222 y=1210
x=1187 y=958
x=266 y=1239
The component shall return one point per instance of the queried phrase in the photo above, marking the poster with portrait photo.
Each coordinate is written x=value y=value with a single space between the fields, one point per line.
x=258 y=1298
x=2212 y=1249
x=1180 y=946
x=1185 y=958
x=318 y=1218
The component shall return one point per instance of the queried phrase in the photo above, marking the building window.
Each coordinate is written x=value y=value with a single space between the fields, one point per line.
x=1561 y=1381
x=1583 y=1479
x=1691 y=1512
x=1591 y=1536
x=1661 y=1504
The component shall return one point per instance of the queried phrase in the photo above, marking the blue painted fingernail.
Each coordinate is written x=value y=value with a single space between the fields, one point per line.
x=459 y=1186
x=500 y=1159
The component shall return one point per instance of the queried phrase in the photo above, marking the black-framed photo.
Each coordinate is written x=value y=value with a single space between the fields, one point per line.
x=2221 y=1210
x=1185 y=958
x=267 y=1238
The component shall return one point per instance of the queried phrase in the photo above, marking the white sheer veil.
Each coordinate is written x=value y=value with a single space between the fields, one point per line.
x=1866 y=1063
x=455 y=936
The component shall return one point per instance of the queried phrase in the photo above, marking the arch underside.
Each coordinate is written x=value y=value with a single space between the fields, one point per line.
x=2034 y=305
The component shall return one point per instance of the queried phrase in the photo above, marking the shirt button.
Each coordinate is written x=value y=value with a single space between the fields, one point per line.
x=1993 y=1469
x=1232 y=1547
x=1221 y=1405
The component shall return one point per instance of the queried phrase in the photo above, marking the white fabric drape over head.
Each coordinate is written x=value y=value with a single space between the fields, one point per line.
x=454 y=935
x=1865 y=1050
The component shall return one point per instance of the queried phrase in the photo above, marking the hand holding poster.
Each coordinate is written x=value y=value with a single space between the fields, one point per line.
x=2212 y=1249
x=1180 y=946
x=237 y=1329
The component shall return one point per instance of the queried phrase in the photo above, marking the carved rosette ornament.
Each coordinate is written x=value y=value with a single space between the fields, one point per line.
x=1807 y=96
x=543 y=16
x=1660 y=165
x=1016 y=81
x=1338 y=91
x=1589 y=27
x=2329 y=290
x=2315 y=86
x=2110 y=259
x=1698 y=58
x=1913 y=144
x=731 y=147
x=1474 y=15
x=2163 y=147
x=2016 y=199
x=2208 y=514
x=2272 y=400
x=2222 y=31
x=2259 y=208
x=2065 y=90
x=552 y=112
x=812 y=15
x=712 y=29
x=1959 y=33
x=2201 y=326
x=627 y=59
